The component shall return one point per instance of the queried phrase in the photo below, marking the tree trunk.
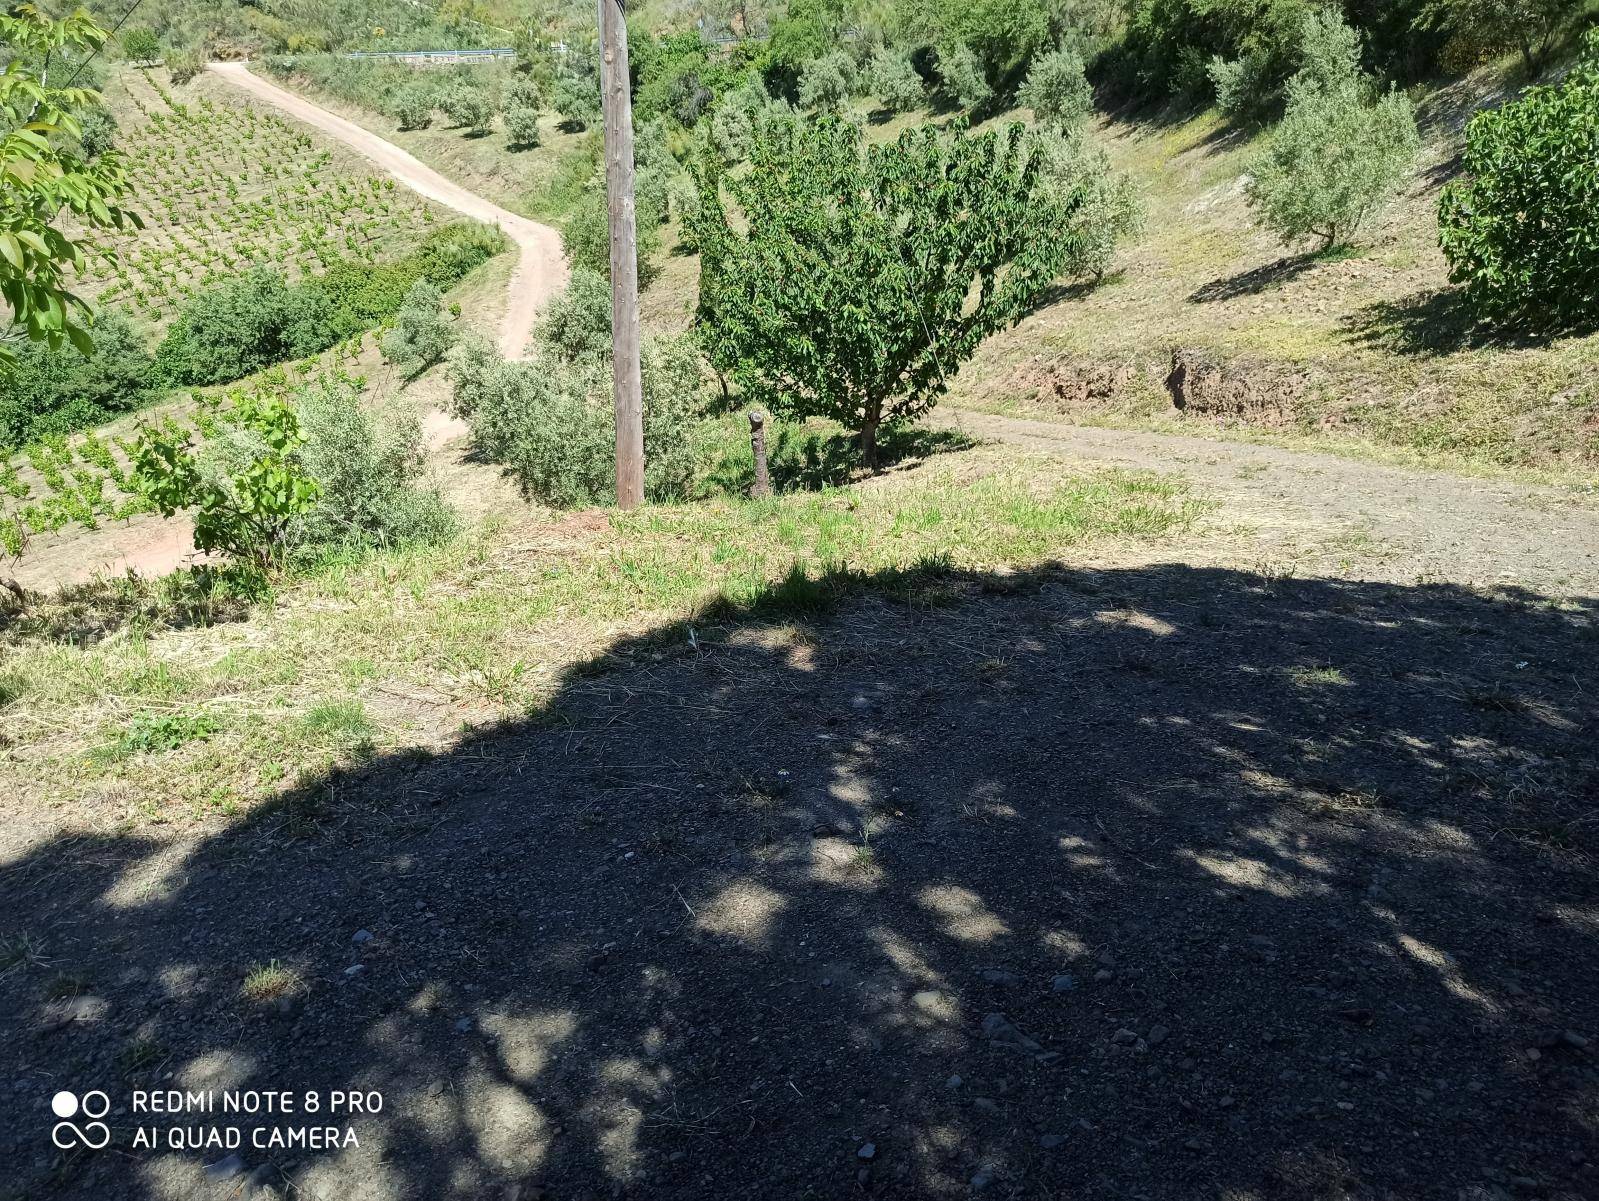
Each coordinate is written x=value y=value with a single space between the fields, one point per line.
x=869 y=444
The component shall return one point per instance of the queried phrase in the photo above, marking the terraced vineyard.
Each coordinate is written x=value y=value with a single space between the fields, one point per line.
x=224 y=188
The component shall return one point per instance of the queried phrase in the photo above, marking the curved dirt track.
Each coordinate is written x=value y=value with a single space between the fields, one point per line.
x=541 y=271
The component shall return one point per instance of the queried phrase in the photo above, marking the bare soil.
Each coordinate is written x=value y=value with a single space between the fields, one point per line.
x=1145 y=881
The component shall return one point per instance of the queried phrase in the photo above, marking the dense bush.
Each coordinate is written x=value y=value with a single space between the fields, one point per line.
x=586 y=237
x=368 y=470
x=827 y=82
x=550 y=420
x=421 y=332
x=1521 y=230
x=894 y=80
x=961 y=77
x=522 y=113
x=99 y=133
x=577 y=100
x=1337 y=155
x=1057 y=88
x=1003 y=34
x=576 y=325
x=856 y=282
x=258 y=319
x=241 y=326
x=183 y=65
x=59 y=391
x=412 y=106
x=468 y=106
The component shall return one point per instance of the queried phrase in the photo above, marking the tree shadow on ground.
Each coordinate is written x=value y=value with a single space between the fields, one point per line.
x=1438 y=322
x=1160 y=881
x=804 y=458
x=1256 y=280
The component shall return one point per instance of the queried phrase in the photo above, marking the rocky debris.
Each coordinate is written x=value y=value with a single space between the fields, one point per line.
x=1000 y=1031
x=354 y=970
x=361 y=936
x=1203 y=387
x=1001 y=976
x=1157 y=1035
x=867 y=1151
x=981 y=1179
x=67 y=1010
x=1065 y=982
x=1051 y=1141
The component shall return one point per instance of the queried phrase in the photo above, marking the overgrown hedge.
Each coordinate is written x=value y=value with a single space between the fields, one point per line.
x=259 y=319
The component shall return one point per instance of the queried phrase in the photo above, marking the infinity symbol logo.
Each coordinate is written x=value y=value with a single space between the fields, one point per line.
x=94 y=1135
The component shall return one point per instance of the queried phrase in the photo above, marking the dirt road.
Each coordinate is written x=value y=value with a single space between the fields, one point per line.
x=542 y=270
x=1425 y=525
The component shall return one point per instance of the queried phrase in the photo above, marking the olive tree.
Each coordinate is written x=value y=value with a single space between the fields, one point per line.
x=1339 y=153
x=854 y=282
x=42 y=178
x=893 y=80
x=1057 y=88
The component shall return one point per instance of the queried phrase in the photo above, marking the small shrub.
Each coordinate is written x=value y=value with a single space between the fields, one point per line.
x=183 y=65
x=1057 y=88
x=243 y=513
x=421 y=334
x=1521 y=230
x=522 y=113
x=894 y=80
x=550 y=421
x=412 y=106
x=576 y=326
x=367 y=468
x=99 y=133
x=1336 y=156
x=141 y=45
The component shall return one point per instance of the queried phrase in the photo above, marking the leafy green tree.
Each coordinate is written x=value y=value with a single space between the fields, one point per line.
x=141 y=46
x=412 y=106
x=1057 y=88
x=522 y=113
x=421 y=332
x=243 y=325
x=1338 y=155
x=961 y=76
x=1521 y=229
x=894 y=80
x=42 y=179
x=1003 y=34
x=857 y=282
x=827 y=82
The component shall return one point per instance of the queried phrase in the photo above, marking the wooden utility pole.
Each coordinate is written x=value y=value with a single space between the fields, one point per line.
x=628 y=389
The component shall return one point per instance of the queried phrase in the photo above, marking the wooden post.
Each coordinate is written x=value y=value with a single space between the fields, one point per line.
x=763 y=483
x=628 y=388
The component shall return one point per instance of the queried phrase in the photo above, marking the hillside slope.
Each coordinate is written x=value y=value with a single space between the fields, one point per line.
x=1367 y=349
